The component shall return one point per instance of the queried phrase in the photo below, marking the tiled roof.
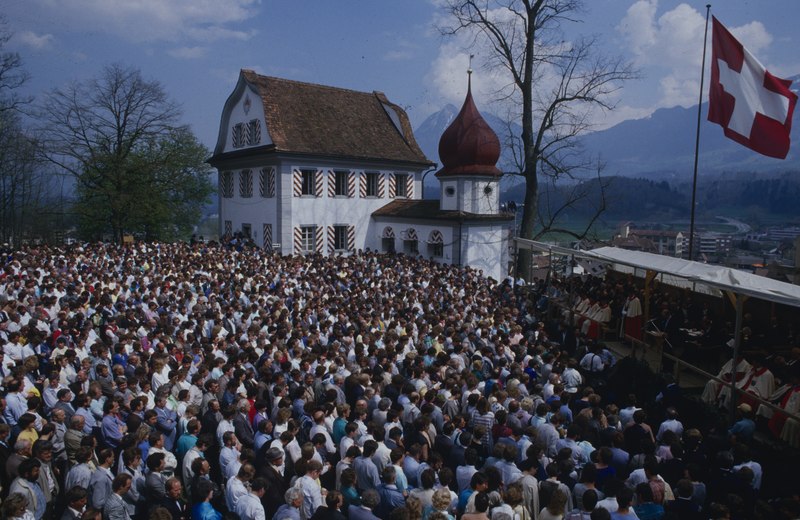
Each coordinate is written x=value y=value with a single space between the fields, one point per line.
x=428 y=209
x=315 y=119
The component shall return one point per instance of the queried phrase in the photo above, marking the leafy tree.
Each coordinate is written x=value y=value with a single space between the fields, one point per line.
x=137 y=170
x=558 y=80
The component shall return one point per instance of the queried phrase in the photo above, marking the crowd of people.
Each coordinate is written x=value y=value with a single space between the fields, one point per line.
x=211 y=381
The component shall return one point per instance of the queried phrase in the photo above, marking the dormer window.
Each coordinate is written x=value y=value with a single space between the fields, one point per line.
x=237 y=135
x=253 y=132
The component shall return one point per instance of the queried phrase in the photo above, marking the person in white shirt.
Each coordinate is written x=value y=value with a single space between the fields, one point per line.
x=312 y=492
x=236 y=487
x=229 y=452
x=671 y=423
x=249 y=505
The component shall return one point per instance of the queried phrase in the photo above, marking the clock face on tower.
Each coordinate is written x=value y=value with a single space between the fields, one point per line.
x=487 y=190
x=450 y=191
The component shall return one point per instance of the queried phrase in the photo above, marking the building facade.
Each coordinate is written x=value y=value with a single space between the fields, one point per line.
x=306 y=168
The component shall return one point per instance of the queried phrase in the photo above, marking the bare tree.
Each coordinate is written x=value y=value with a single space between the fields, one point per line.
x=559 y=81
x=137 y=169
x=12 y=77
x=22 y=183
x=24 y=186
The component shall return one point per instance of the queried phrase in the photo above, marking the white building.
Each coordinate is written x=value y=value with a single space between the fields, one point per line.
x=307 y=168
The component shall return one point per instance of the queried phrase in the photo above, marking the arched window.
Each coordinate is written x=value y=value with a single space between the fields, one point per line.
x=387 y=240
x=410 y=242
x=436 y=244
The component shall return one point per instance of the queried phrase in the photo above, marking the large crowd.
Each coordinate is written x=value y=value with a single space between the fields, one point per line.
x=210 y=381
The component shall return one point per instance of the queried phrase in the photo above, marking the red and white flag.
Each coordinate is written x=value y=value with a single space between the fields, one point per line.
x=753 y=106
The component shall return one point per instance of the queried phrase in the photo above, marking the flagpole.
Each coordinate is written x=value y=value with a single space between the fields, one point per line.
x=697 y=137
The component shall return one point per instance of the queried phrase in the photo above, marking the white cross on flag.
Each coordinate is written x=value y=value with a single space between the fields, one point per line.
x=753 y=106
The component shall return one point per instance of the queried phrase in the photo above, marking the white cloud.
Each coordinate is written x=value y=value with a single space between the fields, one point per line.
x=187 y=53
x=33 y=40
x=398 y=55
x=448 y=77
x=670 y=47
x=158 y=20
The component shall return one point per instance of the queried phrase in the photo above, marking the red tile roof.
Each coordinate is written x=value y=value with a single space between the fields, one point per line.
x=307 y=118
x=428 y=209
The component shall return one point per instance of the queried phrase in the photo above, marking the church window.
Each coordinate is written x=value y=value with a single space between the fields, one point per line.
x=253 y=132
x=246 y=184
x=372 y=184
x=308 y=182
x=401 y=185
x=307 y=236
x=237 y=135
x=340 y=238
x=266 y=182
x=340 y=180
x=226 y=184
x=436 y=244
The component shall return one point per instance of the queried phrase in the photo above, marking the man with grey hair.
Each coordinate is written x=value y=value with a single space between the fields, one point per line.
x=291 y=509
x=22 y=451
x=73 y=437
x=242 y=426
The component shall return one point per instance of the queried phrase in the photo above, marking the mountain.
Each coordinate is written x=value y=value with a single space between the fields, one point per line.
x=659 y=147
x=431 y=129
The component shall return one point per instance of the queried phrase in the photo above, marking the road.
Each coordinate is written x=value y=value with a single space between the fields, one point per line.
x=740 y=226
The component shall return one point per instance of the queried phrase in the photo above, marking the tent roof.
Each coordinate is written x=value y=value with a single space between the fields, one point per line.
x=718 y=277
x=723 y=278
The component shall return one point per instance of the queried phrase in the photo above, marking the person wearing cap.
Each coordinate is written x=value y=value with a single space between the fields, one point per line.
x=276 y=483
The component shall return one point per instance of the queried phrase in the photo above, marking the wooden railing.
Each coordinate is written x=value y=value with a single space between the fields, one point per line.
x=681 y=363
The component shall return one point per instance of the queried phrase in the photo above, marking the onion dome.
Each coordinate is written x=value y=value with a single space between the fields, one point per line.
x=469 y=146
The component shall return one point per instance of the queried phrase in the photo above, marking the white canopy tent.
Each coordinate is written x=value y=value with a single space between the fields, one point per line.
x=711 y=276
x=719 y=277
x=739 y=284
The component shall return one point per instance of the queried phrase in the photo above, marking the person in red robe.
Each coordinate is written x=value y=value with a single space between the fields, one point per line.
x=632 y=316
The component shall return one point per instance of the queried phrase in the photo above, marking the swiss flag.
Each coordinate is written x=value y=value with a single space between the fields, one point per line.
x=753 y=106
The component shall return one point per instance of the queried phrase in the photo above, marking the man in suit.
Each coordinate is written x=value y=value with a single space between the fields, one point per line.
x=276 y=484
x=5 y=453
x=166 y=422
x=76 y=499
x=173 y=502
x=74 y=436
x=369 y=501
x=65 y=403
x=26 y=485
x=154 y=484
x=100 y=485
x=114 y=507
x=242 y=426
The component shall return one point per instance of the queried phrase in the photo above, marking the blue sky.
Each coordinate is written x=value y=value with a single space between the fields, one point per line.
x=195 y=48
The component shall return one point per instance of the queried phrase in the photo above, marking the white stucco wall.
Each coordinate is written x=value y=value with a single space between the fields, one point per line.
x=255 y=210
x=423 y=229
x=485 y=247
x=240 y=113
x=470 y=195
